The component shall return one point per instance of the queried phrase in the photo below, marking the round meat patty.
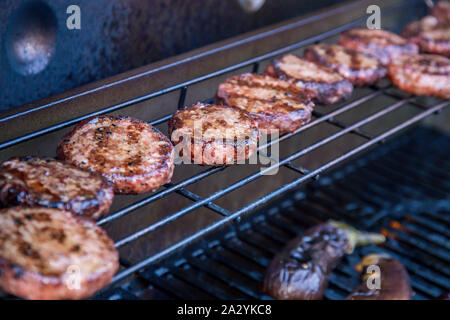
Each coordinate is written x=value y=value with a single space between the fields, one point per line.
x=130 y=153
x=51 y=254
x=441 y=10
x=423 y=74
x=381 y=44
x=51 y=183
x=328 y=86
x=276 y=104
x=213 y=135
x=430 y=35
x=427 y=23
x=357 y=67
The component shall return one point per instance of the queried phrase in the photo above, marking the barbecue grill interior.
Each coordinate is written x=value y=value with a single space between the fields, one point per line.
x=169 y=240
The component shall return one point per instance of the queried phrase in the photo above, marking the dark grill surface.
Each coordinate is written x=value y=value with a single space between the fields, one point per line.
x=401 y=189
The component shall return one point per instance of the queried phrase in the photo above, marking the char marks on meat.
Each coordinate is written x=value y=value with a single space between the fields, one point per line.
x=134 y=156
x=42 y=250
x=430 y=34
x=213 y=134
x=422 y=74
x=276 y=104
x=359 y=68
x=50 y=183
x=327 y=86
x=441 y=10
x=383 y=45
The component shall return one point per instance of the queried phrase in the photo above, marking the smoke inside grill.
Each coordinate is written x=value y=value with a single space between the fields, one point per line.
x=401 y=189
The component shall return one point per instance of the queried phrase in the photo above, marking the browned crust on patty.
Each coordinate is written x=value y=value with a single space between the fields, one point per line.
x=357 y=67
x=441 y=10
x=134 y=156
x=41 y=247
x=213 y=135
x=50 y=183
x=430 y=34
x=381 y=44
x=276 y=104
x=328 y=87
x=423 y=74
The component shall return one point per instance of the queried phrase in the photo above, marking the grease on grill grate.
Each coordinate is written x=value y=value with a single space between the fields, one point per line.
x=401 y=189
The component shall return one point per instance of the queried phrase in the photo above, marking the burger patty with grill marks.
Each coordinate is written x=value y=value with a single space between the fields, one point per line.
x=51 y=254
x=423 y=74
x=441 y=10
x=431 y=35
x=134 y=156
x=328 y=87
x=381 y=44
x=357 y=67
x=51 y=183
x=213 y=135
x=274 y=103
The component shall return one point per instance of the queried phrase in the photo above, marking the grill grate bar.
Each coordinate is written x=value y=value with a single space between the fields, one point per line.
x=245 y=249
x=294 y=183
x=271 y=195
x=192 y=196
x=159 y=195
x=341 y=125
x=155 y=94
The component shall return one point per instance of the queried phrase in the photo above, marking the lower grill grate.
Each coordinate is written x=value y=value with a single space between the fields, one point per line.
x=401 y=189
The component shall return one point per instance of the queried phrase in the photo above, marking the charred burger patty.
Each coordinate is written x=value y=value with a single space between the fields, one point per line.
x=51 y=254
x=51 y=183
x=130 y=153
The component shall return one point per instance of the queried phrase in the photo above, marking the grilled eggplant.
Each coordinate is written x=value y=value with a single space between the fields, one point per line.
x=394 y=280
x=301 y=270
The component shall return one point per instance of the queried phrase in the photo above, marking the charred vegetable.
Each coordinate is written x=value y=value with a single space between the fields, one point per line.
x=300 y=271
x=394 y=280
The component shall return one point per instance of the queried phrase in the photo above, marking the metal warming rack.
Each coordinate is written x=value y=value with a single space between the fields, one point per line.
x=9 y=125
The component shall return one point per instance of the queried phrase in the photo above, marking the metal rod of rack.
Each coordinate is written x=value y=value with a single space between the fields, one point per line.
x=154 y=258
x=183 y=86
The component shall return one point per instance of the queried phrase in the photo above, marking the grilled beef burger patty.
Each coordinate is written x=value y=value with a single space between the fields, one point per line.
x=328 y=86
x=51 y=183
x=357 y=67
x=431 y=35
x=423 y=74
x=213 y=135
x=427 y=23
x=51 y=254
x=381 y=44
x=441 y=10
x=130 y=153
x=277 y=105
x=435 y=41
